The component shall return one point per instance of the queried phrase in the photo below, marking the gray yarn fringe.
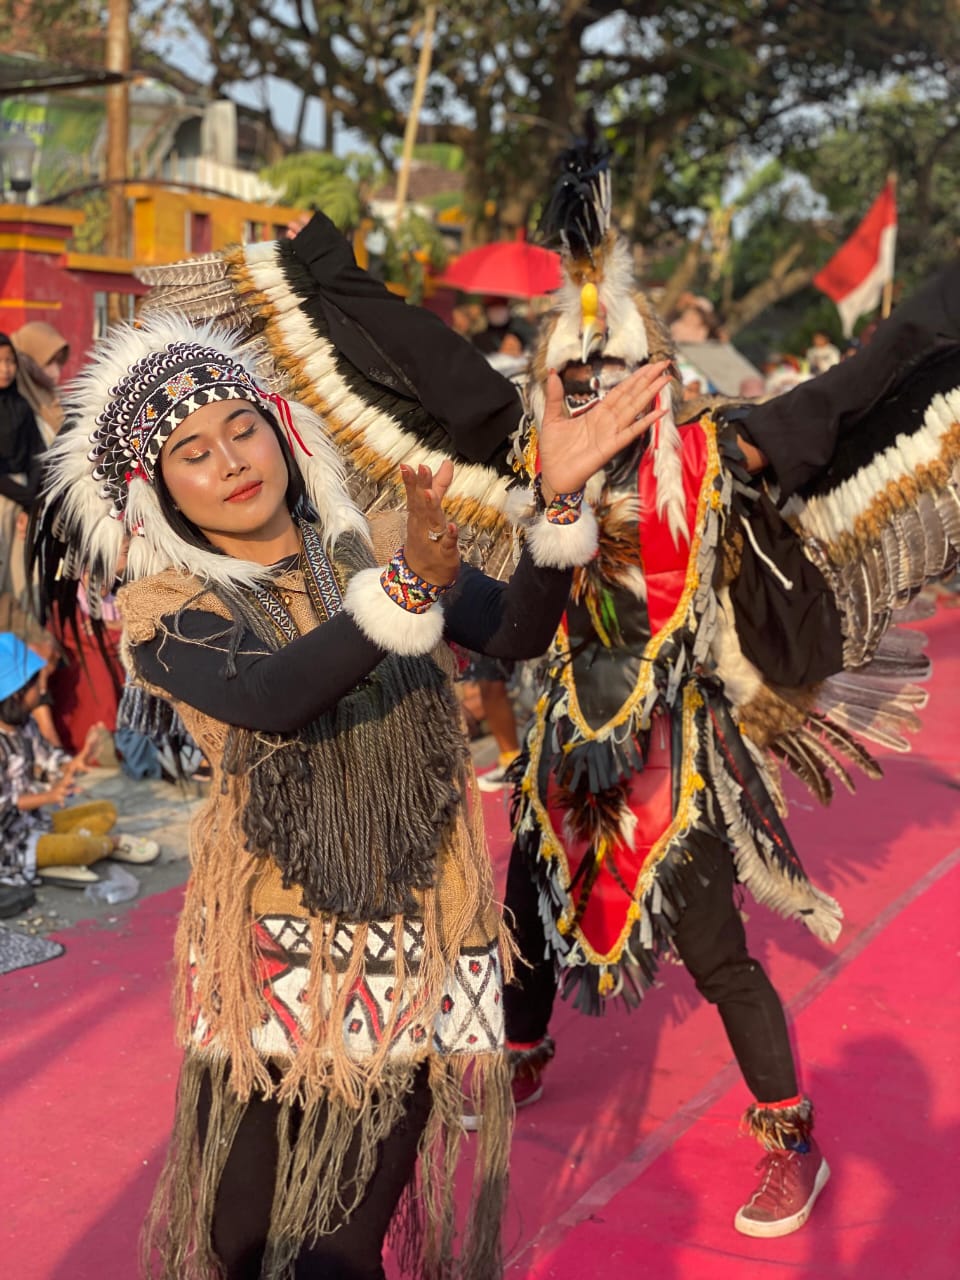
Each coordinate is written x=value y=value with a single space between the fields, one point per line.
x=323 y=803
x=355 y=807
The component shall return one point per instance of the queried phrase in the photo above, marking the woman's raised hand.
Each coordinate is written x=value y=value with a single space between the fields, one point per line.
x=431 y=544
x=573 y=449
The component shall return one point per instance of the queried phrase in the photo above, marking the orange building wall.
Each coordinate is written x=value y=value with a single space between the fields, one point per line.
x=161 y=219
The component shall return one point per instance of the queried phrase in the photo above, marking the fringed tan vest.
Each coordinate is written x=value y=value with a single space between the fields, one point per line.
x=332 y=1015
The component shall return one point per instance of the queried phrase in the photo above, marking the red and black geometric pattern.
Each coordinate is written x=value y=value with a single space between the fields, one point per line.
x=469 y=1020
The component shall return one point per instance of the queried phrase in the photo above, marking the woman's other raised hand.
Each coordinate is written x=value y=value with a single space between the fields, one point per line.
x=431 y=544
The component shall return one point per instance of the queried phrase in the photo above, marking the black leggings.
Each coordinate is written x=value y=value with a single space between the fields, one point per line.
x=711 y=943
x=241 y=1216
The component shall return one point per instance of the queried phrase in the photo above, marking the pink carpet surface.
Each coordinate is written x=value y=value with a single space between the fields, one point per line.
x=631 y=1165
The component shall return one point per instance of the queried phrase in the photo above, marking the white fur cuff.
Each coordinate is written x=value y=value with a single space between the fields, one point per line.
x=388 y=624
x=563 y=546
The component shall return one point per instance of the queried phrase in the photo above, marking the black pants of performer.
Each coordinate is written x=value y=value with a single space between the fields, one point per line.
x=241 y=1216
x=711 y=943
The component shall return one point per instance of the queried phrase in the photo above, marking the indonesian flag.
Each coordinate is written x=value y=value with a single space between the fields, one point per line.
x=856 y=274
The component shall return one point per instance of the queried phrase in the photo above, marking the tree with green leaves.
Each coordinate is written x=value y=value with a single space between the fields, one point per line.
x=338 y=185
x=695 y=95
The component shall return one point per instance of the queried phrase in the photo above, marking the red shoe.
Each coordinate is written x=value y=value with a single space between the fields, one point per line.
x=528 y=1068
x=528 y=1065
x=788 y=1190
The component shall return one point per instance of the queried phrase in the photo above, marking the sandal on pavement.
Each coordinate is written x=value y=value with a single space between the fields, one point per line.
x=135 y=849
x=67 y=877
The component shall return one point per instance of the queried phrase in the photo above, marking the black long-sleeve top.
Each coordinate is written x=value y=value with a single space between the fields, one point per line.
x=282 y=691
x=21 y=448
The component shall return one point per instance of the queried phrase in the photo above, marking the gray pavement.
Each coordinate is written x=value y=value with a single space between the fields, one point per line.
x=160 y=811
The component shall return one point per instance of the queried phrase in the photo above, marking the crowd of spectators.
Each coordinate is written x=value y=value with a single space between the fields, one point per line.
x=694 y=320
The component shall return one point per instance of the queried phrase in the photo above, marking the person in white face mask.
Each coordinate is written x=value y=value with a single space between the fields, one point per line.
x=499 y=320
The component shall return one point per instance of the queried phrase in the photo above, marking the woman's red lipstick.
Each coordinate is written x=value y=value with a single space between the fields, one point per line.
x=245 y=491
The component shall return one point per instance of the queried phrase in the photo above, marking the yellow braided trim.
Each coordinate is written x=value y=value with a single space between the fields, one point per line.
x=527 y=464
x=705 y=504
x=553 y=849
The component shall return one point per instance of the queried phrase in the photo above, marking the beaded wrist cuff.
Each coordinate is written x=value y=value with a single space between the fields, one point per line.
x=408 y=589
x=564 y=508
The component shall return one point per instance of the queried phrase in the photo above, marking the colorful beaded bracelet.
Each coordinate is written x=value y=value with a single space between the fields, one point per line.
x=563 y=508
x=408 y=589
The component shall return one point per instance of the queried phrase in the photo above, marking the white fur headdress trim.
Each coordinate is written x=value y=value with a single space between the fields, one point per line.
x=628 y=340
x=87 y=517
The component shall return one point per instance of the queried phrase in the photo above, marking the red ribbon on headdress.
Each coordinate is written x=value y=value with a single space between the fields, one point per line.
x=286 y=417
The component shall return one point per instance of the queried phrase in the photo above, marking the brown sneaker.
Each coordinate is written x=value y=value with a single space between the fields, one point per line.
x=788 y=1190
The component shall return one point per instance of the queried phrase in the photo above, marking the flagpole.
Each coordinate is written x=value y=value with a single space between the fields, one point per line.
x=886 y=300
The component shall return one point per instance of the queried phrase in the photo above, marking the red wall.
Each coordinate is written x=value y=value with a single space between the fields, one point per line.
x=55 y=293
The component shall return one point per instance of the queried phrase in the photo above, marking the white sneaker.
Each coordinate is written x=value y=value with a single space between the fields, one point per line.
x=135 y=849
x=494 y=779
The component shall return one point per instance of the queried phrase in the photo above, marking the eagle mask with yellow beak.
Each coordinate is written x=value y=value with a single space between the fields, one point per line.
x=602 y=328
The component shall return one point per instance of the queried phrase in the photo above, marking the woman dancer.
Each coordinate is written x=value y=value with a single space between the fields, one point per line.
x=339 y=955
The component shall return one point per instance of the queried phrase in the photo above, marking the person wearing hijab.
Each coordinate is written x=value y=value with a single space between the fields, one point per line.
x=42 y=353
x=21 y=447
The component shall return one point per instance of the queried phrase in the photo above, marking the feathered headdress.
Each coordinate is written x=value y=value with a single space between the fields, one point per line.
x=601 y=329
x=99 y=498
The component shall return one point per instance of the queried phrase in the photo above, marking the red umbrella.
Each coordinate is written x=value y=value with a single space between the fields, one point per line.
x=507 y=269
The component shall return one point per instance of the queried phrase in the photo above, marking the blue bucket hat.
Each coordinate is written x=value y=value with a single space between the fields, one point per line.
x=18 y=664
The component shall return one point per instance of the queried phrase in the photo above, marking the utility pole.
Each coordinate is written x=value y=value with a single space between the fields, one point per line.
x=416 y=102
x=886 y=300
x=118 y=131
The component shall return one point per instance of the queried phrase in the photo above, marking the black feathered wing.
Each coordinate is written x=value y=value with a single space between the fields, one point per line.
x=391 y=382
x=880 y=522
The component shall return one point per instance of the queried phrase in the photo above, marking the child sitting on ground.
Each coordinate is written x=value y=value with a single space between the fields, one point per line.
x=37 y=777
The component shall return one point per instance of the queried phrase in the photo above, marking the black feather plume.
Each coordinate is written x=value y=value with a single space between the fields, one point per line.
x=577 y=215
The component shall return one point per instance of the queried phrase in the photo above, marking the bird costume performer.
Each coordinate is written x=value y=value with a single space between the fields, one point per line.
x=737 y=618
x=339 y=956
x=729 y=626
